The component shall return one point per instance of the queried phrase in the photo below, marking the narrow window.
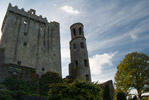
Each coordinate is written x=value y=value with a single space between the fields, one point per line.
x=82 y=45
x=14 y=73
x=85 y=63
x=25 y=33
x=74 y=32
x=87 y=77
x=25 y=44
x=41 y=28
x=25 y=22
x=19 y=62
x=42 y=69
x=76 y=62
x=80 y=30
x=74 y=46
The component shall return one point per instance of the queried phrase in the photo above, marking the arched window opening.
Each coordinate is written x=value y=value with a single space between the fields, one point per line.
x=25 y=44
x=74 y=46
x=82 y=45
x=74 y=32
x=80 y=30
x=76 y=62
x=42 y=69
x=85 y=63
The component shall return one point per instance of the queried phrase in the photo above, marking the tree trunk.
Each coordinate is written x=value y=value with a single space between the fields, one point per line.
x=139 y=97
x=139 y=94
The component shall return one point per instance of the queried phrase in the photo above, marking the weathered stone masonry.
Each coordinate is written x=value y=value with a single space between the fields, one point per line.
x=79 y=67
x=30 y=40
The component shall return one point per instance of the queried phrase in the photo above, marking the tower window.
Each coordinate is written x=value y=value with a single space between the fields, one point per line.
x=42 y=69
x=25 y=44
x=85 y=63
x=87 y=77
x=80 y=30
x=76 y=62
x=19 y=62
x=74 y=46
x=74 y=32
x=82 y=45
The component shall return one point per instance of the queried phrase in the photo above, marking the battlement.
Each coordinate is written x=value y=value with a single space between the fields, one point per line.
x=30 y=14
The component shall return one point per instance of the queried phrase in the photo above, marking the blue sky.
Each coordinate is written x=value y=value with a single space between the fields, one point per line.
x=112 y=28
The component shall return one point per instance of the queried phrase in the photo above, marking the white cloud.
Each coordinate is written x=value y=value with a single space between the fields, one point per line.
x=98 y=62
x=134 y=36
x=70 y=10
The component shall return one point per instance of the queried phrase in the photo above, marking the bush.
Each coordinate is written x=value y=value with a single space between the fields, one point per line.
x=20 y=85
x=77 y=90
x=6 y=95
x=46 y=80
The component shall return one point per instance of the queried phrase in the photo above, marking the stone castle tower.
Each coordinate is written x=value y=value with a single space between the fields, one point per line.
x=30 y=40
x=79 y=67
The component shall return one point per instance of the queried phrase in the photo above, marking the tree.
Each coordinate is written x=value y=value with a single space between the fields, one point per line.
x=77 y=90
x=121 y=96
x=106 y=93
x=133 y=73
x=46 y=80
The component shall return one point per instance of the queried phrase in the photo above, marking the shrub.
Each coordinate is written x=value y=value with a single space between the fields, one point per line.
x=46 y=80
x=20 y=85
x=77 y=90
x=6 y=95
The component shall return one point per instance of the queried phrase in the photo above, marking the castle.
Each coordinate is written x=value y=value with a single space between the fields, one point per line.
x=30 y=46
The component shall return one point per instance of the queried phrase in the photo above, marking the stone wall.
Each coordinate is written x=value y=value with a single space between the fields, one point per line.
x=2 y=57
x=17 y=72
x=111 y=87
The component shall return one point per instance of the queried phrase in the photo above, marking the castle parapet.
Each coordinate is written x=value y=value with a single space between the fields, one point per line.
x=30 y=14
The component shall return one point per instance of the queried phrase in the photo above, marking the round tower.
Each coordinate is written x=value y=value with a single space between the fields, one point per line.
x=79 y=67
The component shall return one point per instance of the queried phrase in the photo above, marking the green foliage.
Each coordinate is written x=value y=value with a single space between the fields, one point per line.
x=46 y=80
x=106 y=93
x=132 y=72
x=6 y=95
x=11 y=95
x=121 y=96
x=145 y=98
x=20 y=85
x=77 y=90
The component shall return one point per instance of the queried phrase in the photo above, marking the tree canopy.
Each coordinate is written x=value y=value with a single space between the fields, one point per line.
x=133 y=73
